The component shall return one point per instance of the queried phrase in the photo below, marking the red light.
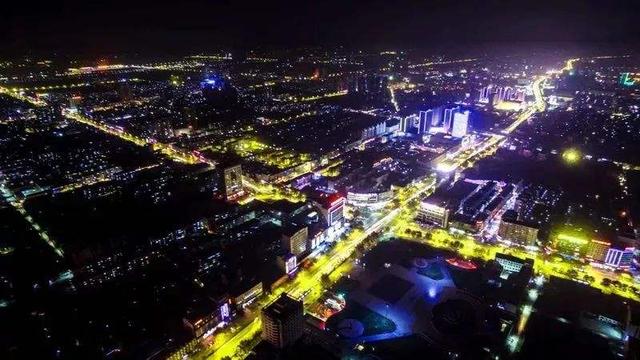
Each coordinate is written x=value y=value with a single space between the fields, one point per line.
x=336 y=201
x=463 y=264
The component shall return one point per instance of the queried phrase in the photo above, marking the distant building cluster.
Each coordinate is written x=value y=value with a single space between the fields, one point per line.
x=441 y=119
x=500 y=97
x=465 y=205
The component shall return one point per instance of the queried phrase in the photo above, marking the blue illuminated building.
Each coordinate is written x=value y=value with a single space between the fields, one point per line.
x=218 y=92
x=213 y=82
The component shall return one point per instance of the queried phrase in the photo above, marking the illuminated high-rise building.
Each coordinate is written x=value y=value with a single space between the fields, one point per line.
x=407 y=123
x=426 y=117
x=499 y=94
x=368 y=84
x=233 y=182
x=374 y=130
x=482 y=97
x=447 y=119
x=495 y=95
x=283 y=321
x=294 y=240
x=437 y=116
x=75 y=102
x=519 y=95
x=460 y=124
x=404 y=124
x=508 y=93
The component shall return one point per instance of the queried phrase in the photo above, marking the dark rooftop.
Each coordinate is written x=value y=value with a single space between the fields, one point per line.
x=284 y=305
x=452 y=195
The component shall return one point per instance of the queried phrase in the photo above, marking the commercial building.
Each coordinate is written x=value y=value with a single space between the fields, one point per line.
x=438 y=208
x=206 y=318
x=233 y=182
x=621 y=252
x=374 y=199
x=571 y=244
x=434 y=213
x=332 y=208
x=426 y=118
x=512 y=264
x=294 y=240
x=283 y=321
x=249 y=294
x=619 y=256
x=288 y=263
x=518 y=232
x=597 y=250
x=616 y=254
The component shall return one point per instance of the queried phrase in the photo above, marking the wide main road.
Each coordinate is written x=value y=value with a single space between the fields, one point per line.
x=172 y=152
x=309 y=279
x=169 y=150
x=17 y=204
x=19 y=95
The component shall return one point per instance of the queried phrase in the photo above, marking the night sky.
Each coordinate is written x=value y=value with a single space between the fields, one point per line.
x=91 y=26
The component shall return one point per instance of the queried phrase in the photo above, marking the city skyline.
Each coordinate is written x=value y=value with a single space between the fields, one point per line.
x=340 y=180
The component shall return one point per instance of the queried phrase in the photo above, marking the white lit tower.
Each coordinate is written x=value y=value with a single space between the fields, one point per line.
x=460 y=124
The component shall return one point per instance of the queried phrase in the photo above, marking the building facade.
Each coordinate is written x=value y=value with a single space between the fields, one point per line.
x=294 y=240
x=434 y=214
x=460 y=126
x=233 y=182
x=518 y=232
x=597 y=250
x=283 y=321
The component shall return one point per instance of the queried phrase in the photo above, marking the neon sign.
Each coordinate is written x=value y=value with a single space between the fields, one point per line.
x=290 y=265
x=627 y=80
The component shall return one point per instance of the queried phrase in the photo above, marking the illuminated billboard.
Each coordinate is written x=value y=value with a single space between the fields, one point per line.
x=291 y=265
x=224 y=311
x=571 y=244
x=629 y=79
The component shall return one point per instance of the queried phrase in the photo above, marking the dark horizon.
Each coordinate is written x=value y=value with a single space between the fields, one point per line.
x=148 y=27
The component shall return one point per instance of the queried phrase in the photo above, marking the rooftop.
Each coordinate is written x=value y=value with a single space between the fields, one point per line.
x=283 y=306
